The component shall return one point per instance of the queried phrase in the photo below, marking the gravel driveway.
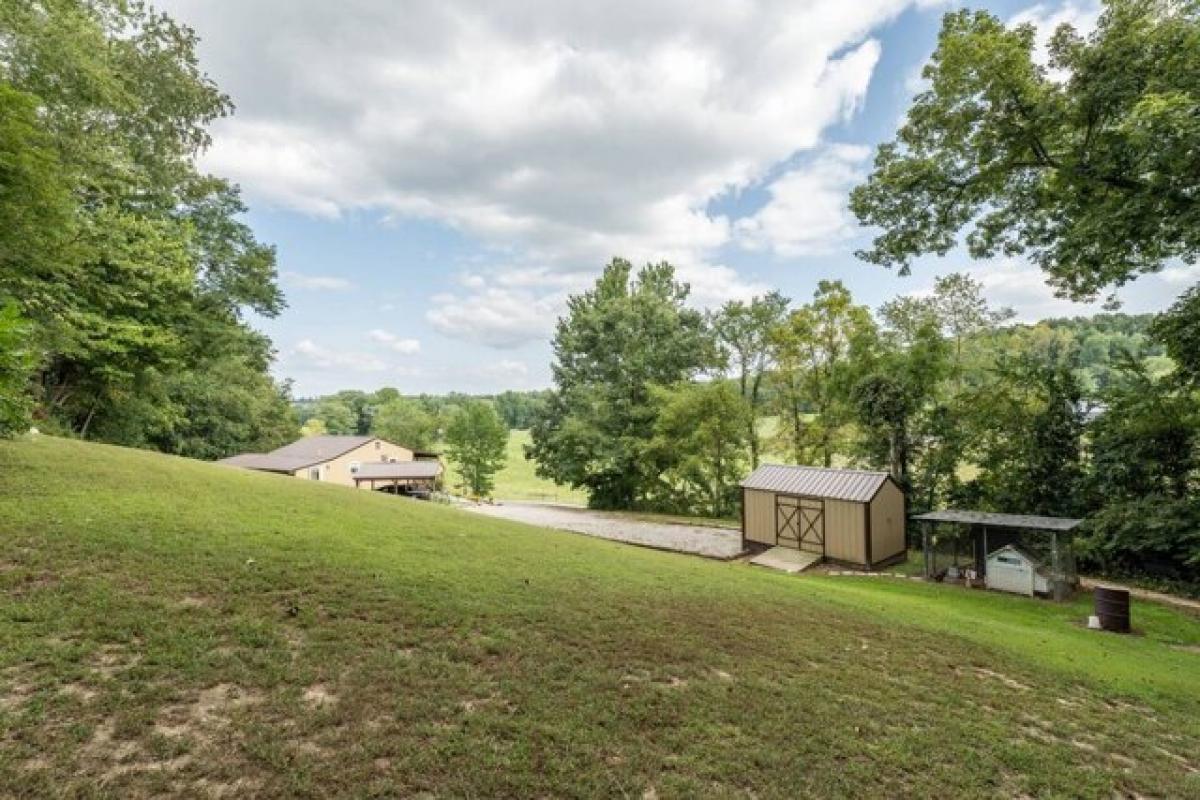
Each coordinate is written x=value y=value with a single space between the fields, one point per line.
x=697 y=539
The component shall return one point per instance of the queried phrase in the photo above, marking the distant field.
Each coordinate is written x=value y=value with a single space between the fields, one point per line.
x=170 y=627
x=518 y=481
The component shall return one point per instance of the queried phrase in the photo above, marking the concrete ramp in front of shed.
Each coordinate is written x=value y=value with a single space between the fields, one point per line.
x=786 y=559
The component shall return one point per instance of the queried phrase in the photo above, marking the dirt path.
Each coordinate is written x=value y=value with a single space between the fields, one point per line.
x=696 y=539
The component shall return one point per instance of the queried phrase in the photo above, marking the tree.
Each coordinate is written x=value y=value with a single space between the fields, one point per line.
x=704 y=430
x=1087 y=166
x=133 y=268
x=476 y=442
x=615 y=343
x=16 y=363
x=313 y=427
x=743 y=331
x=1179 y=330
x=1026 y=438
x=817 y=351
x=405 y=423
x=338 y=417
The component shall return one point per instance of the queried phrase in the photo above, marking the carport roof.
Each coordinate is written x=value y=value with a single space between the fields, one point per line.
x=399 y=470
x=854 y=485
x=1026 y=522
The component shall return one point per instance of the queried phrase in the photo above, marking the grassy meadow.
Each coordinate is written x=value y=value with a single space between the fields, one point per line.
x=518 y=479
x=169 y=626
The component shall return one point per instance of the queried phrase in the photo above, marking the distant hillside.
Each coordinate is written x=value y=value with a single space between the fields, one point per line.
x=174 y=627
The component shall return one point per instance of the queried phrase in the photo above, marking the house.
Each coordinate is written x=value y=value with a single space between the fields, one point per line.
x=852 y=517
x=340 y=460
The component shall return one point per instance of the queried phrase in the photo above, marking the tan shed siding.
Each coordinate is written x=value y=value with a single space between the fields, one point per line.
x=887 y=522
x=844 y=534
x=760 y=516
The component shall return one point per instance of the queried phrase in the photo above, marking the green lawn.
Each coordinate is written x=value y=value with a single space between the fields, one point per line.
x=168 y=626
x=518 y=479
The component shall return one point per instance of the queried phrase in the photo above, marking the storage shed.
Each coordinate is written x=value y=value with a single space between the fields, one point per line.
x=849 y=516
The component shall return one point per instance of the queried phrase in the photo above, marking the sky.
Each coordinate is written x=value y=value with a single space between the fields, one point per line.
x=438 y=177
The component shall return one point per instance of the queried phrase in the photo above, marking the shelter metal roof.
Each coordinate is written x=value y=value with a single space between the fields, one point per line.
x=402 y=470
x=855 y=485
x=1028 y=522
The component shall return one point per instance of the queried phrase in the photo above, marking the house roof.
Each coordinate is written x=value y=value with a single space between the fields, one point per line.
x=402 y=470
x=1026 y=522
x=315 y=449
x=267 y=462
x=854 y=485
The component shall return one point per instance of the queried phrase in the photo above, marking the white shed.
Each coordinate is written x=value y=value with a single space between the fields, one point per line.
x=1013 y=570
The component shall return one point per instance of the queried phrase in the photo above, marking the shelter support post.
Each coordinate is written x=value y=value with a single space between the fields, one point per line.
x=925 y=548
x=1056 y=566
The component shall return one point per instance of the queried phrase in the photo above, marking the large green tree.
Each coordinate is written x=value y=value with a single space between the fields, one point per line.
x=477 y=442
x=743 y=331
x=1087 y=165
x=618 y=340
x=703 y=430
x=405 y=422
x=820 y=350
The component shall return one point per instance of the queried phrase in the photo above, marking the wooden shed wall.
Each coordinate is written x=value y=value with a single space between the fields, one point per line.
x=887 y=523
x=845 y=525
x=845 y=531
x=760 y=516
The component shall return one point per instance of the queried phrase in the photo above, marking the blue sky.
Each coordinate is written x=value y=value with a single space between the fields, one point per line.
x=438 y=177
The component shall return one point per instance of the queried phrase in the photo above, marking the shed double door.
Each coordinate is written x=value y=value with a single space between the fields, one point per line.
x=800 y=523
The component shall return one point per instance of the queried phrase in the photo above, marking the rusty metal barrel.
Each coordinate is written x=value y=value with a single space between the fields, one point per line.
x=1112 y=607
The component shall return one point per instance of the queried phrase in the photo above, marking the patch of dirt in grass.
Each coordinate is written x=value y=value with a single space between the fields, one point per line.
x=195 y=601
x=209 y=710
x=15 y=695
x=319 y=696
x=478 y=703
x=1187 y=648
x=112 y=659
x=123 y=757
x=78 y=691
x=1011 y=683
x=1180 y=760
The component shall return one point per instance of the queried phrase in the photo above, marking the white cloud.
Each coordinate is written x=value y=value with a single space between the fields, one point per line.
x=308 y=353
x=403 y=346
x=807 y=213
x=322 y=282
x=1181 y=274
x=556 y=134
x=1046 y=18
x=497 y=316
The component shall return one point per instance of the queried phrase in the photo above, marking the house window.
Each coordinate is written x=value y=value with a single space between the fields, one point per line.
x=354 y=466
x=314 y=473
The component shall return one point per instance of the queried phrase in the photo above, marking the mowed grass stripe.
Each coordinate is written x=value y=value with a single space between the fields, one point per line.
x=170 y=626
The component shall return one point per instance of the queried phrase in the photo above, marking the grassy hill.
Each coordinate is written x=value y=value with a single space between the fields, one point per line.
x=168 y=626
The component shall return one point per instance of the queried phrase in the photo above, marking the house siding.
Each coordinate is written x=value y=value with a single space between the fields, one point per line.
x=337 y=470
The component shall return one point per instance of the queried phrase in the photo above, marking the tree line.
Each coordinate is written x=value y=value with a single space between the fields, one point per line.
x=660 y=406
x=125 y=272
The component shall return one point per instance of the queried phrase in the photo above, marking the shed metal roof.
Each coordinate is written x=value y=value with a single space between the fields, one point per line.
x=854 y=485
x=402 y=470
x=1028 y=522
